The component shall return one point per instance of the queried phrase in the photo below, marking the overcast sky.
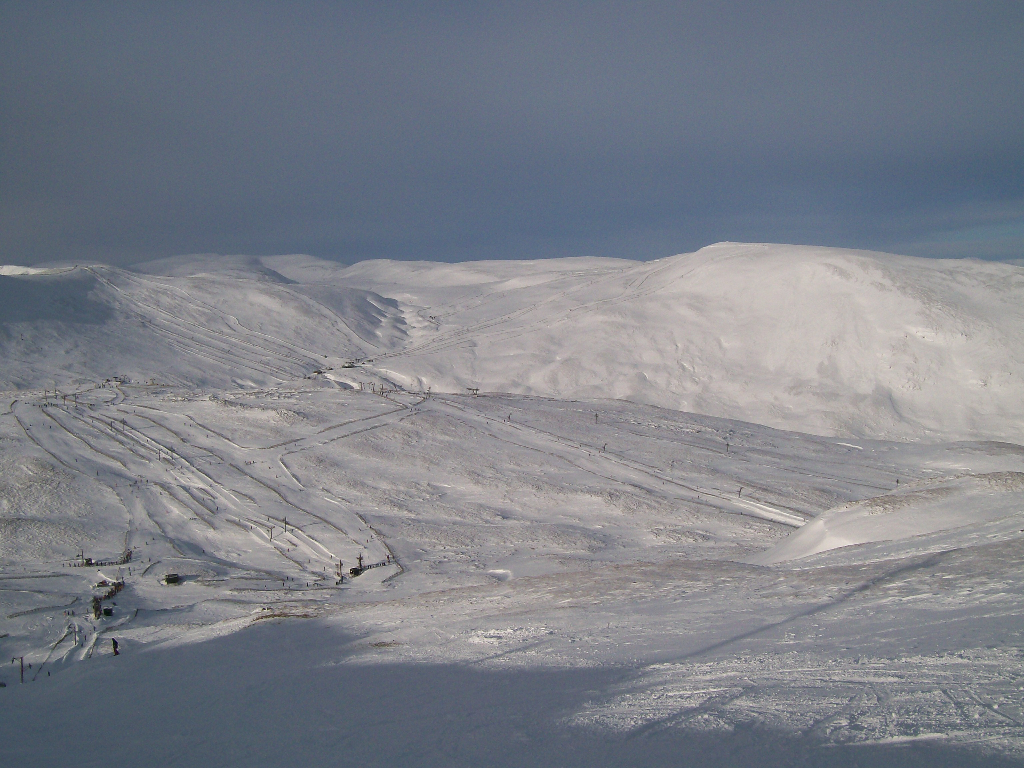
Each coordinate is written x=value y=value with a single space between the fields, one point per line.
x=508 y=130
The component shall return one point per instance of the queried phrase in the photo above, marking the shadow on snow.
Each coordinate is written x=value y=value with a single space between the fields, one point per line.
x=289 y=694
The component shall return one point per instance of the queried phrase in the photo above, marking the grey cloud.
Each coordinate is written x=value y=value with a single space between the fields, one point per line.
x=459 y=130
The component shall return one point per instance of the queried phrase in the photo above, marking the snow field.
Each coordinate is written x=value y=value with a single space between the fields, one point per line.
x=532 y=533
x=619 y=552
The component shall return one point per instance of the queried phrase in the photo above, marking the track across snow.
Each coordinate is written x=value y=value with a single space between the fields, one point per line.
x=753 y=505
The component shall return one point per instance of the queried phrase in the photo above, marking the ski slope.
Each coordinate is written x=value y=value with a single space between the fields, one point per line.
x=821 y=340
x=957 y=506
x=754 y=505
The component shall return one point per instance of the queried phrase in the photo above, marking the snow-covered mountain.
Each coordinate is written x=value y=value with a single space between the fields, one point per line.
x=816 y=339
x=821 y=340
x=268 y=482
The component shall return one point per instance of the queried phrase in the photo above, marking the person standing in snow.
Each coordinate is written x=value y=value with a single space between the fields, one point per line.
x=113 y=642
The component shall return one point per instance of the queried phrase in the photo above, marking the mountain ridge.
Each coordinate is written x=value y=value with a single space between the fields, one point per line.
x=821 y=340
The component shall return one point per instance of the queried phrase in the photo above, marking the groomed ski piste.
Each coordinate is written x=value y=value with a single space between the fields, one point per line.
x=755 y=505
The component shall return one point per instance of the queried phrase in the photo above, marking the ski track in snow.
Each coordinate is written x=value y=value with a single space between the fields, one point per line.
x=724 y=577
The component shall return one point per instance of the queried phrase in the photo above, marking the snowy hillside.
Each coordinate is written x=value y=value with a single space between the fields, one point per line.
x=816 y=339
x=672 y=526
x=960 y=507
x=242 y=327
x=820 y=340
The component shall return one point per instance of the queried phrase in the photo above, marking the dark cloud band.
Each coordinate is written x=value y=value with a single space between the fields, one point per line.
x=464 y=130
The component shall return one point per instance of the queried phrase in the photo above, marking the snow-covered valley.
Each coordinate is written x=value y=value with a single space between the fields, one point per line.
x=752 y=505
